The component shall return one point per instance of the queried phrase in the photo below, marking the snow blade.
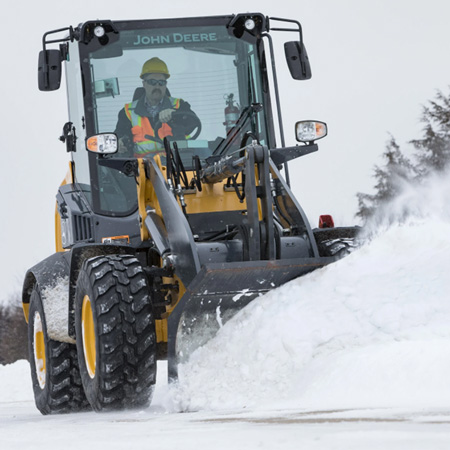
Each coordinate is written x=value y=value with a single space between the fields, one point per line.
x=217 y=293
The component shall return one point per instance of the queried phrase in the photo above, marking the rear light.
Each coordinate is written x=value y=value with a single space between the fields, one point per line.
x=326 y=221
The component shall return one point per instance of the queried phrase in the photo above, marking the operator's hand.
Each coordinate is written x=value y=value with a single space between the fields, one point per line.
x=165 y=115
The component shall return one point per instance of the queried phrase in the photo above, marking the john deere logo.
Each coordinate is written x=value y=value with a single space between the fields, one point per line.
x=175 y=38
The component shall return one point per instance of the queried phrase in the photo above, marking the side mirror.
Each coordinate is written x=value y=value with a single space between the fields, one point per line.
x=297 y=60
x=49 y=70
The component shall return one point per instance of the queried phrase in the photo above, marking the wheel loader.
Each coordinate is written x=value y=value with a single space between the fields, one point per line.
x=176 y=210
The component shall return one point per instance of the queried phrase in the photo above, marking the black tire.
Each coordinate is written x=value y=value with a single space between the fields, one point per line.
x=54 y=366
x=336 y=242
x=115 y=330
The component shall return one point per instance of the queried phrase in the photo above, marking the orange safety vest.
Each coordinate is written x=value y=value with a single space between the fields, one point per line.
x=141 y=127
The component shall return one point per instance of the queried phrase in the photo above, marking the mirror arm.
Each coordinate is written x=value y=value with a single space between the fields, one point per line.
x=283 y=155
x=70 y=38
x=296 y=22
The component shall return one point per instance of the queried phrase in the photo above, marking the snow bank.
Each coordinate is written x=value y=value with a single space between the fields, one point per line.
x=15 y=382
x=368 y=331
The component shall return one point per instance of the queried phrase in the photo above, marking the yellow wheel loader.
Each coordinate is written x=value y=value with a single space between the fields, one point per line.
x=176 y=211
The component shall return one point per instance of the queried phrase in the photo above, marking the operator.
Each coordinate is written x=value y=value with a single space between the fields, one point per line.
x=144 y=123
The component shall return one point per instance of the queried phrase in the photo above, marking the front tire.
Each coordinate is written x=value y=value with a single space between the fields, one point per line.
x=115 y=331
x=55 y=375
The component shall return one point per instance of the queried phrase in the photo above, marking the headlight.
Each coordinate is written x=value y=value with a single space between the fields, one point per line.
x=250 y=24
x=309 y=130
x=99 y=31
x=102 y=143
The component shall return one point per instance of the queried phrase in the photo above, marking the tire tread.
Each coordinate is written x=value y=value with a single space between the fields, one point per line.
x=126 y=333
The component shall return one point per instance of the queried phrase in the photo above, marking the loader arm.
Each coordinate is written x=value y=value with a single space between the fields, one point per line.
x=217 y=277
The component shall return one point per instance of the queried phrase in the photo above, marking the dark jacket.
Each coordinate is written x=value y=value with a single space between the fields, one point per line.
x=181 y=125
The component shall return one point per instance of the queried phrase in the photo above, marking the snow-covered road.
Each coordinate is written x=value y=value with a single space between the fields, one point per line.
x=22 y=426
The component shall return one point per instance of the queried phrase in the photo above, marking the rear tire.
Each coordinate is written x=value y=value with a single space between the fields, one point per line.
x=54 y=366
x=336 y=242
x=115 y=331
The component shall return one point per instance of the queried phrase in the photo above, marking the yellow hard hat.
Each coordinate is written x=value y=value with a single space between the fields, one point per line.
x=155 y=65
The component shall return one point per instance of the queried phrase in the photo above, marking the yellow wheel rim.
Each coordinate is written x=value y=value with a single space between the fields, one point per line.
x=39 y=350
x=88 y=329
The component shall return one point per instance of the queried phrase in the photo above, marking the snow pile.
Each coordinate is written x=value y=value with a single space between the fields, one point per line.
x=372 y=330
x=15 y=382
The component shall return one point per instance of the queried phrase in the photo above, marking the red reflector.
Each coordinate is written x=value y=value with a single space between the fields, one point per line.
x=326 y=221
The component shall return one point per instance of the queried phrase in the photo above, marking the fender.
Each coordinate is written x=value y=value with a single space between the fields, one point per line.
x=45 y=274
x=51 y=277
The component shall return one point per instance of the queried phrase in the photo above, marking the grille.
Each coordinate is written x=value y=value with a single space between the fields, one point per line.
x=82 y=228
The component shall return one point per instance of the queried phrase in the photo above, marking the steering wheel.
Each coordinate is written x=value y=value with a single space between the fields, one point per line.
x=178 y=117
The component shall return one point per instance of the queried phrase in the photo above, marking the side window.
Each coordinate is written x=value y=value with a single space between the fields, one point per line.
x=117 y=192
x=76 y=113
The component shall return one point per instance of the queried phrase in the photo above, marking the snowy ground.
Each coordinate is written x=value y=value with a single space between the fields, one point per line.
x=354 y=356
x=282 y=427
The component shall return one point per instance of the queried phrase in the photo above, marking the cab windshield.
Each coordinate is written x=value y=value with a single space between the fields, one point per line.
x=214 y=85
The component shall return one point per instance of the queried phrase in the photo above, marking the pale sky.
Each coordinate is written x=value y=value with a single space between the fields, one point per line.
x=374 y=64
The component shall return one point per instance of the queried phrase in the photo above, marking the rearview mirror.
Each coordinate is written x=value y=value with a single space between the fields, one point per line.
x=49 y=70
x=297 y=60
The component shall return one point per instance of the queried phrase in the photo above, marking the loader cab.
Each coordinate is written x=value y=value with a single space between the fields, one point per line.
x=216 y=64
x=215 y=67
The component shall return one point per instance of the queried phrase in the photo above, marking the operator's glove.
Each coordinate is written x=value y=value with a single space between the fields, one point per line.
x=165 y=115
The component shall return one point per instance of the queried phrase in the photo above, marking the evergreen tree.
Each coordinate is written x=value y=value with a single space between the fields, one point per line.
x=389 y=180
x=433 y=150
x=432 y=155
